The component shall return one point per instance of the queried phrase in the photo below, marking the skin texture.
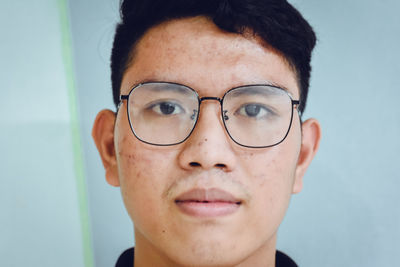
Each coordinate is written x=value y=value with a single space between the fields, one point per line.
x=196 y=53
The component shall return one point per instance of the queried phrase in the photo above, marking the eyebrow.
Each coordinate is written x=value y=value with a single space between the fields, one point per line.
x=166 y=86
x=181 y=88
x=258 y=89
x=274 y=84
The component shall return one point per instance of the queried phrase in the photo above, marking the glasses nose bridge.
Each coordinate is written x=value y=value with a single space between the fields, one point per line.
x=201 y=99
x=206 y=98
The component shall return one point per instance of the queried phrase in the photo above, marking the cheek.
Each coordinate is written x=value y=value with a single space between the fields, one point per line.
x=275 y=165
x=271 y=188
x=143 y=175
x=137 y=164
x=272 y=173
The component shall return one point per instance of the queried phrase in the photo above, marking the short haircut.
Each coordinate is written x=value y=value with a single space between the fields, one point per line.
x=276 y=22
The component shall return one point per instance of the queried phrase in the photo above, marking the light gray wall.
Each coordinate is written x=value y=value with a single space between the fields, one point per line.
x=347 y=214
x=40 y=223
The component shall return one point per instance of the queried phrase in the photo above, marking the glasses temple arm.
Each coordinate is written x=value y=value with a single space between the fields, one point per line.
x=121 y=98
x=297 y=103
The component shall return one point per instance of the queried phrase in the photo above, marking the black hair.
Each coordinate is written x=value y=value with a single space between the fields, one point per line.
x=276 y=22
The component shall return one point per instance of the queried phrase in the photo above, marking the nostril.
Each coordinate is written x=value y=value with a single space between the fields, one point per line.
x=194 y=164
x=220 y=165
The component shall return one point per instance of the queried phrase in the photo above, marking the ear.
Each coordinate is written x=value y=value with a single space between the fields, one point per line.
x=311 y=136
x=103 y=136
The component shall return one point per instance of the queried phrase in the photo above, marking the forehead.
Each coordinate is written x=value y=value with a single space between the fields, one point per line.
x=197 y=53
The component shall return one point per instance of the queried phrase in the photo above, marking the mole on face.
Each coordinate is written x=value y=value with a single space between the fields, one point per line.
x=130 y=158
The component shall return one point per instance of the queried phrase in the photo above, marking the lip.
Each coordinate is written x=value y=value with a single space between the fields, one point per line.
x=212 y=202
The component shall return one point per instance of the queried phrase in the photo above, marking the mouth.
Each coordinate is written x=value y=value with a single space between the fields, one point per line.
x=207 y=203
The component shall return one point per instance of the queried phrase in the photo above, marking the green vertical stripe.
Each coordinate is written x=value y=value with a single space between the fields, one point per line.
x=77 y=148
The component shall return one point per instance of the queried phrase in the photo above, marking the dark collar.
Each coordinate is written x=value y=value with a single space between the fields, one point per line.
x=127 y=258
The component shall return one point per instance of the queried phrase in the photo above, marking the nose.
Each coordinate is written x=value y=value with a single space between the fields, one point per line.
x=209 y=145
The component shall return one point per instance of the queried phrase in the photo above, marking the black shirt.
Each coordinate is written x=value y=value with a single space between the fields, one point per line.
x=127 y=257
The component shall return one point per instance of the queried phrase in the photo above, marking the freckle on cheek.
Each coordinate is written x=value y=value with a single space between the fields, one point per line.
x=128 y=158
x=131 y=159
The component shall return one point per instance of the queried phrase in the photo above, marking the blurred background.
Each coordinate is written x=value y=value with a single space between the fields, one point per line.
x=58 y=210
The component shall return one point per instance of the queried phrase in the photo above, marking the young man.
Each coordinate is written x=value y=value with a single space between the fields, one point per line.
x=207 y=143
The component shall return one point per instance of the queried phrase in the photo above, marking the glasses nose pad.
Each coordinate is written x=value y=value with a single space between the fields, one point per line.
x=194 y=115
x=225 y=116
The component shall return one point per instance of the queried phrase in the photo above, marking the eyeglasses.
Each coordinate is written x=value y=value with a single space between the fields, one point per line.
x=165 y=113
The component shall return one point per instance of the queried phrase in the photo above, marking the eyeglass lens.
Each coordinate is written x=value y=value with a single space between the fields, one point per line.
x=166 y=113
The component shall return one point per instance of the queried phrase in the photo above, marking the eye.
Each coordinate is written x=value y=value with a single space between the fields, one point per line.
x=166 y=108
x=253 y=110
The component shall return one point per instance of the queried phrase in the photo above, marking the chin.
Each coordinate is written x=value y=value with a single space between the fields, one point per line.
x=209 y=251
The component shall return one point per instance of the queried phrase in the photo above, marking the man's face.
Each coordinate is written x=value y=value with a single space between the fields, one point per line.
x=254 y=184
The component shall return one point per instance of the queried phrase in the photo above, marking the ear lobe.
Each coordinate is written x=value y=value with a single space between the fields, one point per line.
x=311 y=136
x=103 y=136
